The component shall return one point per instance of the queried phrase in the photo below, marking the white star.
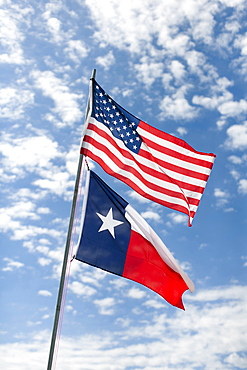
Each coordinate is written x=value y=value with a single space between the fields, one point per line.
x=108 y=223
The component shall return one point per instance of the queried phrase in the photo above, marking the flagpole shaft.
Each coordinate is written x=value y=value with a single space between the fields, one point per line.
x=66 y=253
x=93 y=74
x=64 y=268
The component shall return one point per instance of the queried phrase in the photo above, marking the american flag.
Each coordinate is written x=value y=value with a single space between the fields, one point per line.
x=159 y=166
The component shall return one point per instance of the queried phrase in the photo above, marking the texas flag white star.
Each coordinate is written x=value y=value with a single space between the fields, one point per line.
x=108 y=222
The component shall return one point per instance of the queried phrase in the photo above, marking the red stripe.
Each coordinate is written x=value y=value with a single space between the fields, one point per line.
x=175 y=154
x=132 y=170
x=146 y=169
x=172 y=139
x=173 y=167
x=127 y=181
x=144 y=265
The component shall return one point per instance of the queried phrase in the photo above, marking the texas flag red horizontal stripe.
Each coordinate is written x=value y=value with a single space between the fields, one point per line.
x=144 y=265
x=151 y=161
x=115 y=238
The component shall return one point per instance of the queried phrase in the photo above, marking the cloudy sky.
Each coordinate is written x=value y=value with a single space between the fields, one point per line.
x=180 y=66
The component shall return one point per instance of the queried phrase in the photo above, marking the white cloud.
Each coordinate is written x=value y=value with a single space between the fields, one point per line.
x=242 y=186
x=45 y=293
x=11 y=36
x=176 y=218
x=25 y=194
x=55 y=182
x=66 y=102
x=221 y=122
x=123 y=322
x=237 y=137
x=11 y=264
x=45 y=317
x=237 y=360
x=81 y=289
x=13 y=102
x=178 y=70
x=105 y=305
x=177 y=106
x=162 y=51
x=106 y=61
x=21 y=210
x=235 y=159
x=185 y=265
x=235 y=174
x=135 y=196
x=57 y=68
x=72 y=157
x=163 y=341
x=43 y=210
x=219 y=97
x=54 y=26
x=30 y=153
x=36 y=154
x=222 y=197
x=241 y=43
x=134 y=25
x=76 y=50
x=148 y=70
x=151 y=215
x=9 y=223
x=239 y=4
x=182 y=131
x=153 y=303
x=230 y=293
x=136 y=293
x=44 y=261
x=233 y=108
x=218 y=193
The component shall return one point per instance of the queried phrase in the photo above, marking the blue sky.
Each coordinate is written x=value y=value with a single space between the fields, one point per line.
x=178 y=65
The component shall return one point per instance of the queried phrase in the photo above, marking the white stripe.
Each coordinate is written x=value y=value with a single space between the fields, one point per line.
x=128 y=175
x=139 y=225
x=178 y=162
x=112 y=165
x=175 y=147
x=144 y=161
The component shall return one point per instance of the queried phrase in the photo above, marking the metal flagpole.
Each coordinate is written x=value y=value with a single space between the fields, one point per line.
x=67 y=246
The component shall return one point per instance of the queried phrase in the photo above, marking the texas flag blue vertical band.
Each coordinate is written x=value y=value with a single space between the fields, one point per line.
x=115 y=238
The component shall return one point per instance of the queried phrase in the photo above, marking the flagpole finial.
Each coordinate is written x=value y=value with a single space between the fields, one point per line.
x=93 y=74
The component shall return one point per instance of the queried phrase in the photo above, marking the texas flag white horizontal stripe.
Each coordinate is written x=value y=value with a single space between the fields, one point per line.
x=139 y=225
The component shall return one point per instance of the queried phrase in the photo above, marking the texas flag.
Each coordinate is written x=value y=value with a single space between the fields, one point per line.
x=115 y=238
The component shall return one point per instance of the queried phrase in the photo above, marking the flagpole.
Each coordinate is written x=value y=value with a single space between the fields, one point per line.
x=67 y=248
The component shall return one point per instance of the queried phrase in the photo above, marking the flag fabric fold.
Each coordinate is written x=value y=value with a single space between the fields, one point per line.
x=159 y=166
x=115 y=238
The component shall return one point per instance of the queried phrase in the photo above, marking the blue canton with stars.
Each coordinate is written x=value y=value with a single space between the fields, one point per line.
x=121 y=123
